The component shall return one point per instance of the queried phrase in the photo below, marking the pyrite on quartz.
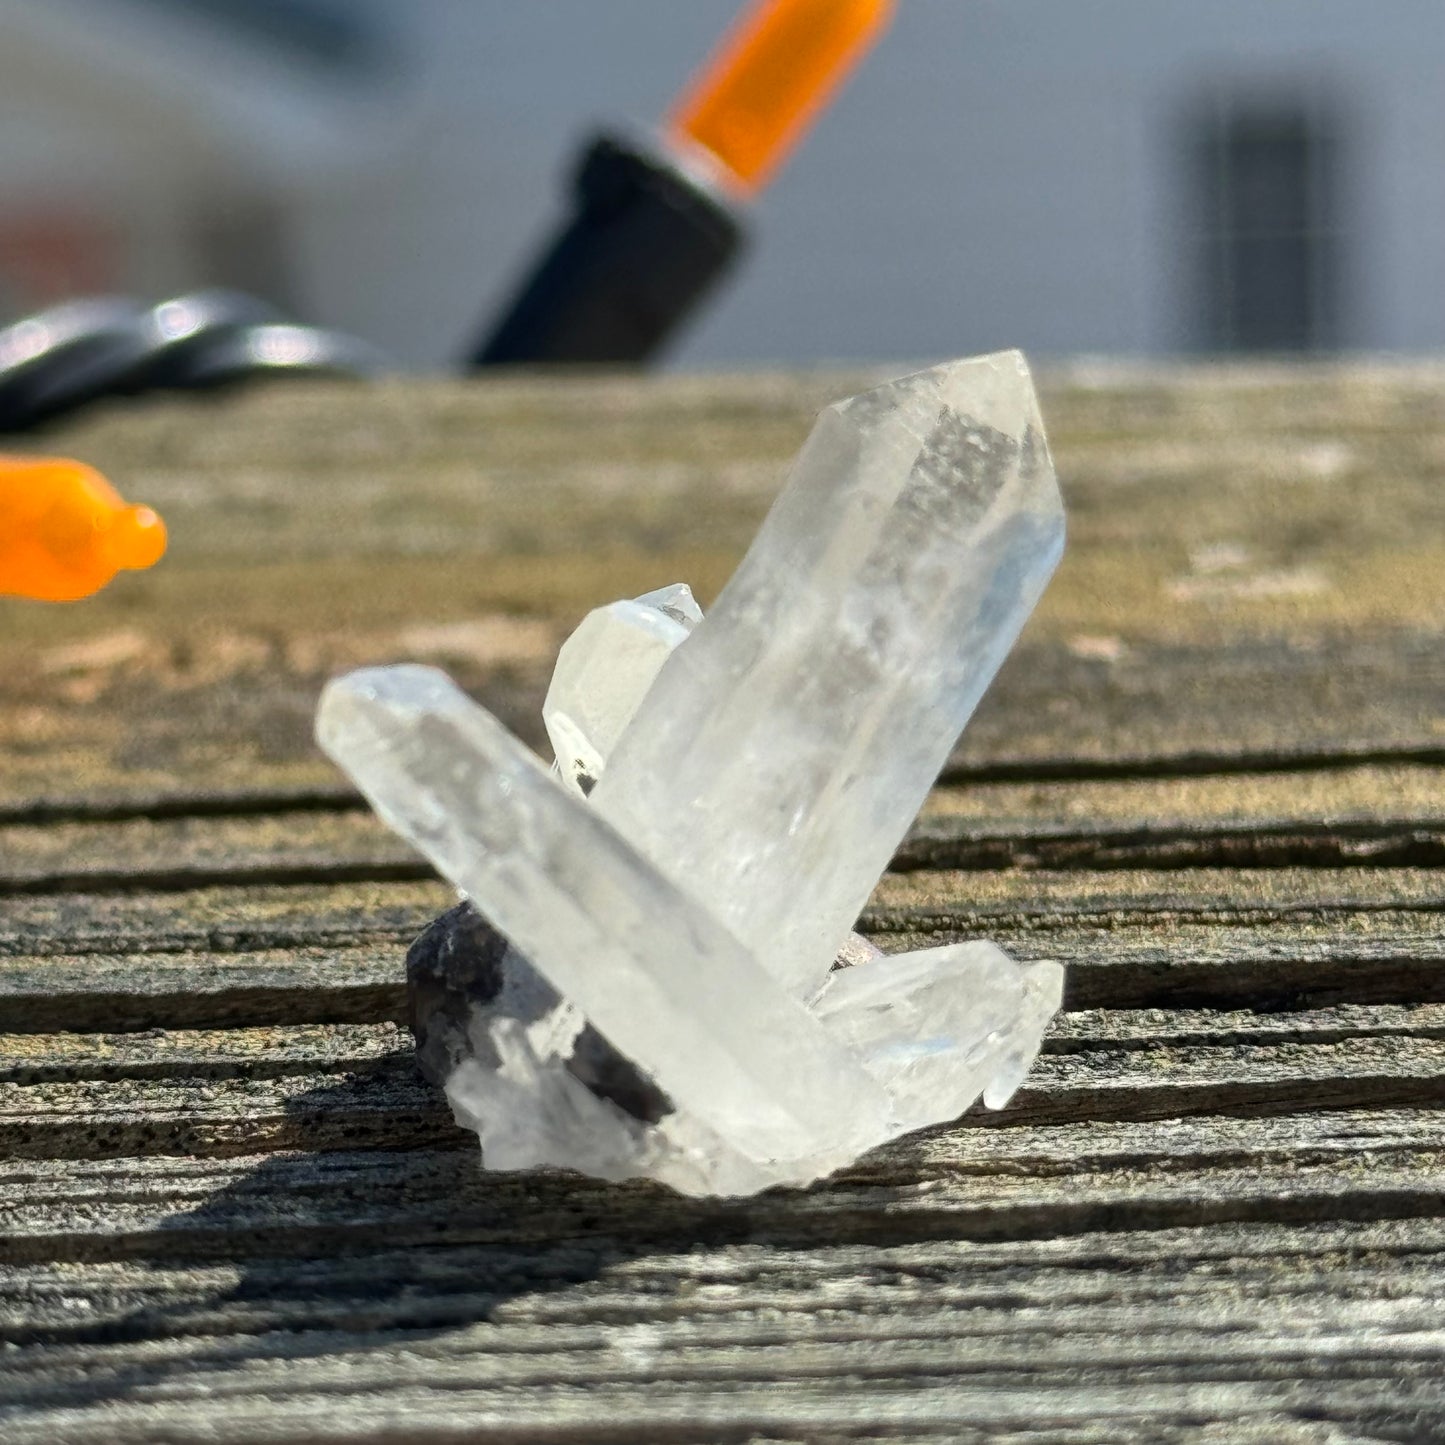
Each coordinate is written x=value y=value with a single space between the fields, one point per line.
x=644 y=979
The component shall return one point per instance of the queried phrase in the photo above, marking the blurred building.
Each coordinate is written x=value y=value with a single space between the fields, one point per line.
x=150 y=145
x=1137 y=176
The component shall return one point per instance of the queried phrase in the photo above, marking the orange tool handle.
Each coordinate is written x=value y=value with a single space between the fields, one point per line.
x=770 y=79
x=65 y=532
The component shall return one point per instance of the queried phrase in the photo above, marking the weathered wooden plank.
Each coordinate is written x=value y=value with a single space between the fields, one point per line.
x=475 y=465
x=220 y=920
x=1061 y=1409
x=1374 y=959
x=1242 y=701
x=248 y=1054
x=229 y=957
x=127 y=736
x=282 y=847
x=541 y=1366
x=350 y=983
x=1027 y=1181
x=1324 y=791
x=384 y=1106
x=231 y=919
x=231 y=1052
x=335 y=1086
x=455 y=1284
x=1283 y=963
x=1145 y=1028
x=954 y=899
x=1000 y=1328
x=1386 y=816
x=1214 y=1209
x=1226 y=596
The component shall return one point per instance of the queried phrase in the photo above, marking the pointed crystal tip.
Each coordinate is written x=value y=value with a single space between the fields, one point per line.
x=604 y=670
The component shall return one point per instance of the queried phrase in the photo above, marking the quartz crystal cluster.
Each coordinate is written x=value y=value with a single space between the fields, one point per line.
x=644 y=978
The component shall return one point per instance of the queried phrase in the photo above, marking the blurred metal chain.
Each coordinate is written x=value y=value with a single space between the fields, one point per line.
x=60 y=359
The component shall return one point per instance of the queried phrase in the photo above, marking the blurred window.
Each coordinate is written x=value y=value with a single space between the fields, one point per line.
x=1267 y=177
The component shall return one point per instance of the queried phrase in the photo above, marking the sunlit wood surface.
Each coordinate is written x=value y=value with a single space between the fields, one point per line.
x=1211 y=779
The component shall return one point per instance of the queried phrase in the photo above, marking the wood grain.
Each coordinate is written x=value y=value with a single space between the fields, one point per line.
x=1226 y=596
x=329 y=1087
x=1209 y=781
x=1387 y=816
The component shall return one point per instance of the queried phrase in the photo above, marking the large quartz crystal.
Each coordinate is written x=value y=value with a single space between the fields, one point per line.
x=642 y=979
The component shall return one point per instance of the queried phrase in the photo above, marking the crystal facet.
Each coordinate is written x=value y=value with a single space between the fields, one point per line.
x=661 y=978
x=650 y=992
x=603 y=672
x=807 y=718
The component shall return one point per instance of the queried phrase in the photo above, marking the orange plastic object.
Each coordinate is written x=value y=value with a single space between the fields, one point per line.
x=771 y=77
x=65 y=532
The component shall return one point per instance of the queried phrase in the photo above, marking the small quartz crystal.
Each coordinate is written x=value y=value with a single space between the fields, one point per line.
x=603 y=671
x=652 y=973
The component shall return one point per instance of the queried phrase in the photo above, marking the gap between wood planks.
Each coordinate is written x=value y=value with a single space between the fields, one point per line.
x=1033 y=1180
x=317 y=1098
x=245 y=802
x=1387 y=816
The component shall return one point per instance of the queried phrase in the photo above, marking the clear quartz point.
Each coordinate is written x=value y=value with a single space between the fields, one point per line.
x=810 y=712
x=681 y=886
x=603 y=672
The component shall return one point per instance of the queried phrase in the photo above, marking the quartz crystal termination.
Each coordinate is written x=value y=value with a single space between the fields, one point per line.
x=808 y=716
x=603 y=672
x=638 y=1018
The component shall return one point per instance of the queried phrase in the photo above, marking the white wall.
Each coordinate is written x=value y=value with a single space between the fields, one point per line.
x=139 y=131
x=1001 y=171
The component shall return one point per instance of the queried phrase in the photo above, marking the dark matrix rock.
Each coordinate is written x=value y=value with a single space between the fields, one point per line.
x=460 y=966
